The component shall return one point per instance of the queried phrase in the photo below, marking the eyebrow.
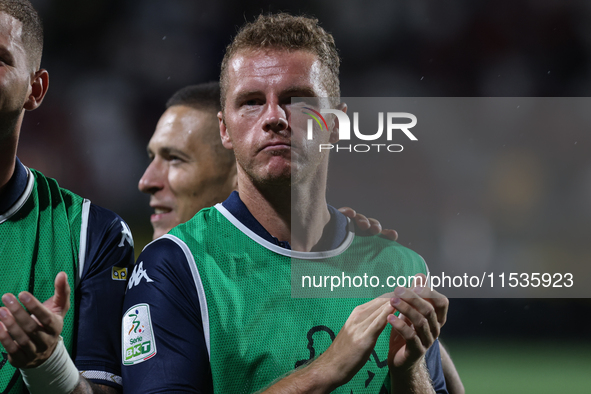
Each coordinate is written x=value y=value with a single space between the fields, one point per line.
x=301 y=91
x=167 y=151
x=243 y=95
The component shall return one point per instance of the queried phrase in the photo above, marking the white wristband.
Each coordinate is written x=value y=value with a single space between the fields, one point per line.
x=57 y=375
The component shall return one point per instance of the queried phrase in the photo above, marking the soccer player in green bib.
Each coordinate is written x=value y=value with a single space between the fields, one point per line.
x=209 y=307
x=51 y=241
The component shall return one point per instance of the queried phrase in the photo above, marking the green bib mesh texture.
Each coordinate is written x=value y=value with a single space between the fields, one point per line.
x=258 y=332
x=41 y=239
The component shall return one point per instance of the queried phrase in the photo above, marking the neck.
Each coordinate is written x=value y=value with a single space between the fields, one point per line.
x=7 y=159
x=296 y=214
x=10 y=127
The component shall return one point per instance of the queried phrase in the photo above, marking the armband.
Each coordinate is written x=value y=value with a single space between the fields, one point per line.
x=57 y=374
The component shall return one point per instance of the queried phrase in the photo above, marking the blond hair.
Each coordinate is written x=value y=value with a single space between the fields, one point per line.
x=286 y=32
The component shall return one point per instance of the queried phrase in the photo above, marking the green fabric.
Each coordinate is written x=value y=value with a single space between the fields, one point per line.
x=37 y=242
x=258 y=332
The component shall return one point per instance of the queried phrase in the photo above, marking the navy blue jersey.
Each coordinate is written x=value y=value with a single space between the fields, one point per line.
x=179 y=361
x=100 y=285
x=99 y=297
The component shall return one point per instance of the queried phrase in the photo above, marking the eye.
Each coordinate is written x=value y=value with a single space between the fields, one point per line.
x=175 y=159
x=251 y=102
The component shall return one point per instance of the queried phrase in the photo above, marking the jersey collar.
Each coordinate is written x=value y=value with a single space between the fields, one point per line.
x=334 y=233
x=15 y=188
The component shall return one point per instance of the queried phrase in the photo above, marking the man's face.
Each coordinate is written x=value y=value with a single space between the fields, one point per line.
x=185 y=175
x=258 y=113
x=15 y=70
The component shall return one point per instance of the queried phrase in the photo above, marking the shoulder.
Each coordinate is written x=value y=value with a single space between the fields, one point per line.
x=380 y=248
x=105 y=227
x=379 y=242
x=48 y=192
x=167 y=248
x=107 y=224
x=165 y=261
x=198 y=224
x=206 y=226
x=164 y=276
x=51 y=186
x=106 y=241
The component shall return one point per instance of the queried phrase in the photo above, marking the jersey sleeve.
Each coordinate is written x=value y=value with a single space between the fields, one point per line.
x=99 y=296
x=164 y=348
x=433 y=360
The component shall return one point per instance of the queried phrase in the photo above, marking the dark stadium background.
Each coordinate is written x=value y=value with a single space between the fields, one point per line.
x=114 y=63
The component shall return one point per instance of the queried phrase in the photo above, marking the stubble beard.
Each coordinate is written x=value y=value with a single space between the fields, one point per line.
x=8 y=125
x=263 y=180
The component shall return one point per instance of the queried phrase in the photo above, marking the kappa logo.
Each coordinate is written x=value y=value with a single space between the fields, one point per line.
x=137 y=275
x=125 y=235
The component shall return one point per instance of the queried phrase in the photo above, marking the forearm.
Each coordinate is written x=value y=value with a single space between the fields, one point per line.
x=415 y=381
x=310 y=379
x=86 y=387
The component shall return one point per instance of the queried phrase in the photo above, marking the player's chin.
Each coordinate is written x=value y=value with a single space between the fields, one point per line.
x=278 y=167
x=276 y=176
x=278 y=179
x=161 y=228
x=280 y=156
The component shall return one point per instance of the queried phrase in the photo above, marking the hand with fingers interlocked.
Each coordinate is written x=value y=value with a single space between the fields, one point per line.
x=422 y=314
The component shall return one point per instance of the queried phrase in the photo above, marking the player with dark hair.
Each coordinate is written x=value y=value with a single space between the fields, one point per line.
x=189 y=168
x=204 y=95
x=51 y=240
x=221 y=281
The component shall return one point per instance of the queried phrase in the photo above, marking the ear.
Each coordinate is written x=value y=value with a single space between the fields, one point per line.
x=334 y=134
x=226 y=139
x=39 y=85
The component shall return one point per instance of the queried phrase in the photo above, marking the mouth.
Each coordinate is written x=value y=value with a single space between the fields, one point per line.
x=159 y=213
x=277 y=145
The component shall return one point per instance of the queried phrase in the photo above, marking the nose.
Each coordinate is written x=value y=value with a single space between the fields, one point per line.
x=153 y=178
x=275 y=118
